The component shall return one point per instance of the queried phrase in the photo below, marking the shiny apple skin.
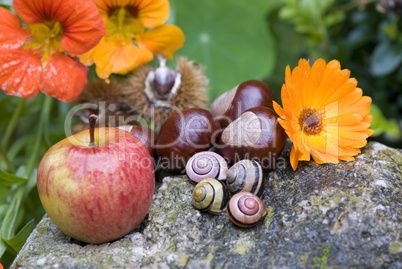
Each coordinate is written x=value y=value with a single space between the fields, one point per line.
x=100 y=193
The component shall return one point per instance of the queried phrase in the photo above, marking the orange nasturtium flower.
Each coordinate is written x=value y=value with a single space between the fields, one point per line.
x=37 y=58
x=324 y=113
x=128 y=42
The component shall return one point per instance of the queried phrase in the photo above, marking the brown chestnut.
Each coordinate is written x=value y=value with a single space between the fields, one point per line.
x=143 y=133
x=231 y=104
x=255 y=135
x=182 y=135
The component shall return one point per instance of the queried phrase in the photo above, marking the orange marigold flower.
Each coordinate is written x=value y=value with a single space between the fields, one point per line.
x=37 y=58
x=127 y=43
x=324 y=113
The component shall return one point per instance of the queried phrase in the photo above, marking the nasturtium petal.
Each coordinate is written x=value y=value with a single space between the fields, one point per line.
x=19 y=73
x=119 y=57
x=151 y=13
x=163 y=40
x=12 y=34
x=63 y=78
x=82 y=25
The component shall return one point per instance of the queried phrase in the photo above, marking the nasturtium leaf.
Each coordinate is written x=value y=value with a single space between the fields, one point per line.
x=229 y=37
x=386 y=58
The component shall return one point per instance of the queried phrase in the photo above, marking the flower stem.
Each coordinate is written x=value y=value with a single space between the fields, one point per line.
x=43 y=116
x=9 y=132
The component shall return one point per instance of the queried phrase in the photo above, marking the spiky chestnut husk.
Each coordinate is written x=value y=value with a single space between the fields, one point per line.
x=129 y=93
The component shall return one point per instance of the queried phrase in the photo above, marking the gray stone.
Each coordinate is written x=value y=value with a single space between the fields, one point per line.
x=335 y=216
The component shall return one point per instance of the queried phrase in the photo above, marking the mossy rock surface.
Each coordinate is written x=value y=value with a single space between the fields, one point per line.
x=320 y=216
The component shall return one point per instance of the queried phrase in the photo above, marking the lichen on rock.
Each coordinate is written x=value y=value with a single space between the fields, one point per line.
x=342 y=215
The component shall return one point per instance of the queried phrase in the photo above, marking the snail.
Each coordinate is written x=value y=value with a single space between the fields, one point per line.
x=255 y=135
x=184 y=134
x=245 y=209
x=210 y=195
x=245 y=175
x=231 y=104
x=206 y=164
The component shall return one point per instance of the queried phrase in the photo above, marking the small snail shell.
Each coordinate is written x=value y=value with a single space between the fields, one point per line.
x=245 y=209
x=245 y=175
x=206 y=164
x=210 y=195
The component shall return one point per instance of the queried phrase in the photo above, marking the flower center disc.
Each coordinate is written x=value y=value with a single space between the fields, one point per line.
x=123 y=23
x=310 y=121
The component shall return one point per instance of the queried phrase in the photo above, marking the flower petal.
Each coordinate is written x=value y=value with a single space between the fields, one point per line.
x=346 y=158
x=151 y=13
x=12 y=34
x=314 y=78
x=119 y=57
x=294 y=157
x=83 y=26
x=164 y=40
x=19 y=73
x=344 y=112
x=63 y=78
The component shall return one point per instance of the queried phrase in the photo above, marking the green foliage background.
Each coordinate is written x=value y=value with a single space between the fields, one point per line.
x=236 y=41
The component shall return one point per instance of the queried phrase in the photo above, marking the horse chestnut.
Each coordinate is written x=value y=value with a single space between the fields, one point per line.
x=255 y=135
x=183 y=134
x=231 y=104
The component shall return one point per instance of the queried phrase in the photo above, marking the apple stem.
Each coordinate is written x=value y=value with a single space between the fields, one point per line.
x=92 y=122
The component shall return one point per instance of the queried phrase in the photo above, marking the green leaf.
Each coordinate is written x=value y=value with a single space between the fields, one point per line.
x=386 y=58
x=20 y=144
x=287 y=13
x=3 y=247
x=7 y=179
x=8 y=226
x=18 y=241
x=6 y=2
x=31 y=183
x=381 y=125
x=3 y=210
x=229 y=37
x=334 y=18
x=379 y=122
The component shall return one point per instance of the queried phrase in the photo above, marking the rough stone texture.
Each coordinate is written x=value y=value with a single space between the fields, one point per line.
x=335 y=216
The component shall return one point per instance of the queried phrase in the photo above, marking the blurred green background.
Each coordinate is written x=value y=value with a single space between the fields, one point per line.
x=235 y=40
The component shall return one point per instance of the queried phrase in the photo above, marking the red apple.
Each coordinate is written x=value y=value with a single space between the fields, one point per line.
x=97 y=185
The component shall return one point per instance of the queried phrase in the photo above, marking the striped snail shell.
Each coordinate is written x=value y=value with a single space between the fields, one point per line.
x=206 y=164
x=245 y=209
x=210 y=195
x=245 y=175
